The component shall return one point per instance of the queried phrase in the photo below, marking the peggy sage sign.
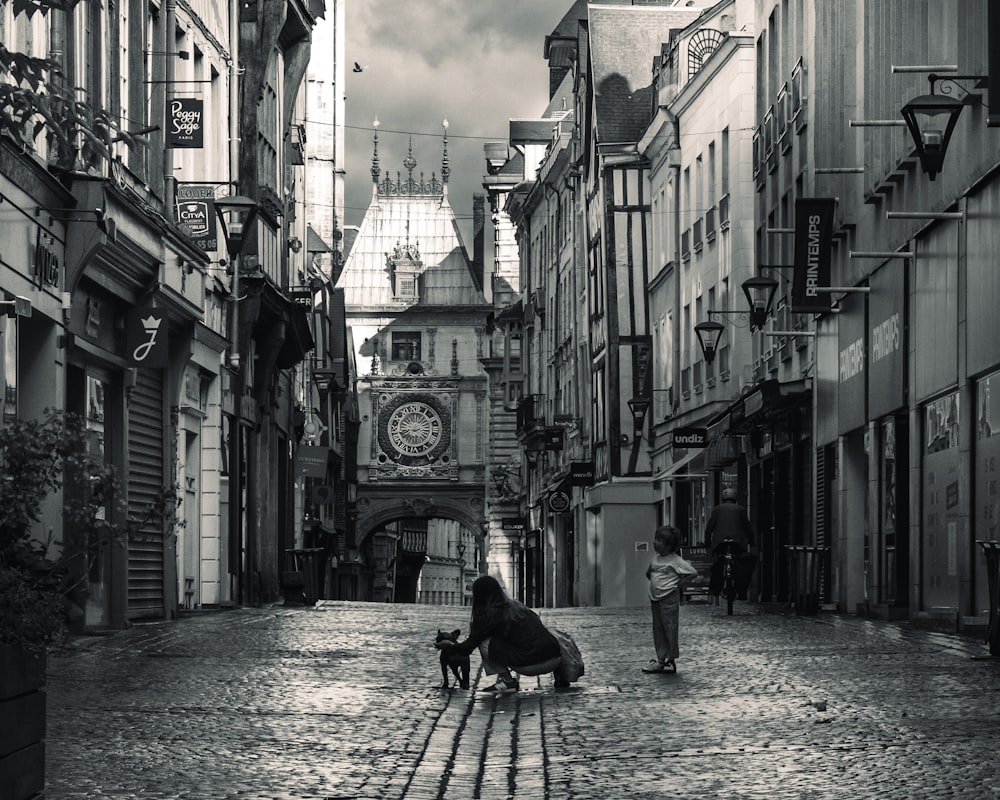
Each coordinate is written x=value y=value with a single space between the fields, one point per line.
x=184 y=126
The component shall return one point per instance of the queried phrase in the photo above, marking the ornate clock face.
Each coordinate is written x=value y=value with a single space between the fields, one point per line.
x=414 y=429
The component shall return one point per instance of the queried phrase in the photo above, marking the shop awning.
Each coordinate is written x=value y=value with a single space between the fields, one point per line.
x=672 y=472
x=770 y=403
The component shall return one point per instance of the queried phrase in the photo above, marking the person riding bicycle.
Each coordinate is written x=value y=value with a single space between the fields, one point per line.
x=729 y=520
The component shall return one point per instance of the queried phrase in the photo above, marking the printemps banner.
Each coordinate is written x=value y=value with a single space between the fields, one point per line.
x=813 y=251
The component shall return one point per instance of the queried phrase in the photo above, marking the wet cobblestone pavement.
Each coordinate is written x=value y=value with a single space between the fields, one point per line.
x=344 y=701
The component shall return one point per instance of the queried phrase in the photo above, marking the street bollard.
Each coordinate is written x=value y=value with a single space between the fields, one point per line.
x=991 y=550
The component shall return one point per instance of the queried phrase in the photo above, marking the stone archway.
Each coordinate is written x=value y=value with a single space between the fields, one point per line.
x=380 y=506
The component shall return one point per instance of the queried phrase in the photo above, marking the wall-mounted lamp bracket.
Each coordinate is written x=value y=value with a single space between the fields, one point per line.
x=845 y=289
x=875 y=123
x=881 y=254
x=924 y=215
x=18 y=307
x=951 y=82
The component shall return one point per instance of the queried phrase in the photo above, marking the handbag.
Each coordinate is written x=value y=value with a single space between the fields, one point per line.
x=571 y=662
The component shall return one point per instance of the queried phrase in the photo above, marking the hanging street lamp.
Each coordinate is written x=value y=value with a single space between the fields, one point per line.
x=709 y=334
x=931 y=120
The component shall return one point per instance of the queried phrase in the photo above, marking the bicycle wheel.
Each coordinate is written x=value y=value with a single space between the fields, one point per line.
x=730 y=591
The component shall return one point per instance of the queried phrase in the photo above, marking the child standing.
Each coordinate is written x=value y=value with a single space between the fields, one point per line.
x=666 y=572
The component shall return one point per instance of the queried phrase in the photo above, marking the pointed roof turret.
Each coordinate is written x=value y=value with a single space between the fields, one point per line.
x=409 y=228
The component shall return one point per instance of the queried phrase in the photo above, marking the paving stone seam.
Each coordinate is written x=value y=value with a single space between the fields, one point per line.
x=444 y=737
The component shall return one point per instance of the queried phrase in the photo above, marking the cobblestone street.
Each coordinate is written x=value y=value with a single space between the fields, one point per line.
x=344 y=701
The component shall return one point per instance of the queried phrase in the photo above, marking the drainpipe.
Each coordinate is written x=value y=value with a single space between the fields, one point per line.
x=236 y=562
x=234 y=97
x=170 y=40
x=675 y=165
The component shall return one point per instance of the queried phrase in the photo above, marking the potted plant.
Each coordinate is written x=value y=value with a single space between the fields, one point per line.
x=36 y=576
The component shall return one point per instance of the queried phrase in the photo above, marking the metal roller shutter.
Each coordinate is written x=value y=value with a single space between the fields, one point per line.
x=145 y=482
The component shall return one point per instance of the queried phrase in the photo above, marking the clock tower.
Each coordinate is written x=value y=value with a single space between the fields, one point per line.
x=416 y=316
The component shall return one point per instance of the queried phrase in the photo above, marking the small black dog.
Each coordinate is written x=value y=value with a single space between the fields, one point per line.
x=457 y=663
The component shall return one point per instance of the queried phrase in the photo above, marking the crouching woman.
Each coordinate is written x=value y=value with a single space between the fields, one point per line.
x=510 y=637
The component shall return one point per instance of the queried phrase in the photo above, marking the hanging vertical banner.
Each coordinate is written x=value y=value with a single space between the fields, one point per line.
x=196 y=214
x=184 y=122
x=813 y=250
x=146 y=338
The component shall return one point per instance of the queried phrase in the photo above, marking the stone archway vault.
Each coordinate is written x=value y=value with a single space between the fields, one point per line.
x=380 y=505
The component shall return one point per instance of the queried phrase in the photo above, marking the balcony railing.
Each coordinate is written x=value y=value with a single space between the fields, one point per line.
x=798 y=99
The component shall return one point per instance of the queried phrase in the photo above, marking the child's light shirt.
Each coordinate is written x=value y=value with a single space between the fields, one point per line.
x=665 y=573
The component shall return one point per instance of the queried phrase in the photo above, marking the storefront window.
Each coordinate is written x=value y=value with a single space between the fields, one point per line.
x=942 y=489
x=987 y=472
x=8 y=352
x=98 y=544
x=889 y=465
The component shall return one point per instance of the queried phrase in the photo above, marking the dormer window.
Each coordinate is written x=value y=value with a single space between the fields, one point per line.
x=405 y=267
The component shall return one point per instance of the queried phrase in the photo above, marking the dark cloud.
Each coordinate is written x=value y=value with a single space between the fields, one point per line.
x=476 y=63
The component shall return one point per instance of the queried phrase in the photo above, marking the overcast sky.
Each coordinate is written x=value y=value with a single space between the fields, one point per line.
x=475 y=63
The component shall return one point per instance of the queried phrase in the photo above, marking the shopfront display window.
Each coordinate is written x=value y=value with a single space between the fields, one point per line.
x=98 y=544
x=8 y=352
x=941 y=504
x=987 y=478
x=889 y=508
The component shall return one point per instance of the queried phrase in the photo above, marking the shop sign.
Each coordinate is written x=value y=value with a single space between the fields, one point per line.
x=813 y=249
x=512 y=524
x=690 y=437
x=184 y=125
x=146 y=338
x=554 y=437
x=886 y=329
x=851 y=364
x=582 y=473
x=558 y=502
x=322 y=494
x=311 y=460
x=196 y=215
x=46 y=263
x=303 y=297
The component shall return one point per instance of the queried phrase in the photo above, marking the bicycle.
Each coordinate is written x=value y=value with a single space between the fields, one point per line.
x=728 y=573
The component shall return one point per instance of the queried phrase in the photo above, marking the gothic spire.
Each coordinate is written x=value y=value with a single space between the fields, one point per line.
x=445 y=169
x=376 y=170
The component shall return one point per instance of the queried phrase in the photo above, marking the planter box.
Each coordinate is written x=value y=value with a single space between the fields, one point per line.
x=22 y=736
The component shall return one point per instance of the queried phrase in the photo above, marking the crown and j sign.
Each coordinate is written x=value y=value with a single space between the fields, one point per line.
x=146 y=338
